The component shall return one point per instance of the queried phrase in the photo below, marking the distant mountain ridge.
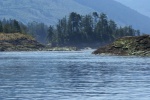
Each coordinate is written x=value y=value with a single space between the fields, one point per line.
x=49 y=11
x=138 y=5
x=120 y=13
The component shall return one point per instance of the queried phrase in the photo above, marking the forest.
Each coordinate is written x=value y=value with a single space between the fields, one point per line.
x=72 y=30
x=38 y=30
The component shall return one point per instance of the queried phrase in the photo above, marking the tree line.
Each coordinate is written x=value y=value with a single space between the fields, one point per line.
x=10 y=26
x=94 y=28
x=38 y=30
x=71 y=30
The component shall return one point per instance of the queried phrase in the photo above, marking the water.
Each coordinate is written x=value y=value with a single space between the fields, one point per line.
x=73 y=76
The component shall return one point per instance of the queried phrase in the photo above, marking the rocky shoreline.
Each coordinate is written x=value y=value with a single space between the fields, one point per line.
x=18 y=42
x=23 y=42
x=127 y=46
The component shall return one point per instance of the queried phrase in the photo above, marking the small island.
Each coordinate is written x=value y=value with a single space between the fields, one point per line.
x=127 y=46
x=18 y=42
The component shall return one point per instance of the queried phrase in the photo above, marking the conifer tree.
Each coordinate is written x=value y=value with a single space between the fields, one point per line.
x=1 y=27
x=16 y=26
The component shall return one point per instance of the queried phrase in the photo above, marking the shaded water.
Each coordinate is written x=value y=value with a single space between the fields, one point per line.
x=73 y=76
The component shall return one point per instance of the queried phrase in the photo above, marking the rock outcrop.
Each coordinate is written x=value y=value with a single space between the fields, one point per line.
x=127 y=46
x=18 y=42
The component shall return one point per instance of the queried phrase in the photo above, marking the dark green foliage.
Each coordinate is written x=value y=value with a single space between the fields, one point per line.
x=50 y=34
x=93 y=28
x=1 y=27
x=73 y=30
x=11 y=26
x=87 y=29
x=16 y=26
x=7 y=28
x=37 y=30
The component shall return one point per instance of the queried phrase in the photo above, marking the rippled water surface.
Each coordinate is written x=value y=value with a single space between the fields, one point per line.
x=73 y=76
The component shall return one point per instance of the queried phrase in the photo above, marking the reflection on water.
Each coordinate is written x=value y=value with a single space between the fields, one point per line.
x=73 y=76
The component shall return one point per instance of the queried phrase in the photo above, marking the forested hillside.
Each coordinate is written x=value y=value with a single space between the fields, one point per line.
x=45 y=11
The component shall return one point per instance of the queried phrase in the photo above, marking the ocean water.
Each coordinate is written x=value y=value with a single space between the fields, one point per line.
x=76 y=75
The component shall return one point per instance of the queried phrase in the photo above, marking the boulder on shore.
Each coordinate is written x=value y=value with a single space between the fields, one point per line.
x=127 y=46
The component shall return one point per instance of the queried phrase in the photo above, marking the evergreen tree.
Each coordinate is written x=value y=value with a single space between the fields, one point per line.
x=50 y=34
x=1 y=27
x=7 y=28
x=95 y=19
x=104 y=27
x=74 y=27
x=87 y=29
x=112 y=30
x=16 y=26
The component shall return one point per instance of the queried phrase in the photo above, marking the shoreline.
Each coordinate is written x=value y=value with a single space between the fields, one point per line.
x=127 y=46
